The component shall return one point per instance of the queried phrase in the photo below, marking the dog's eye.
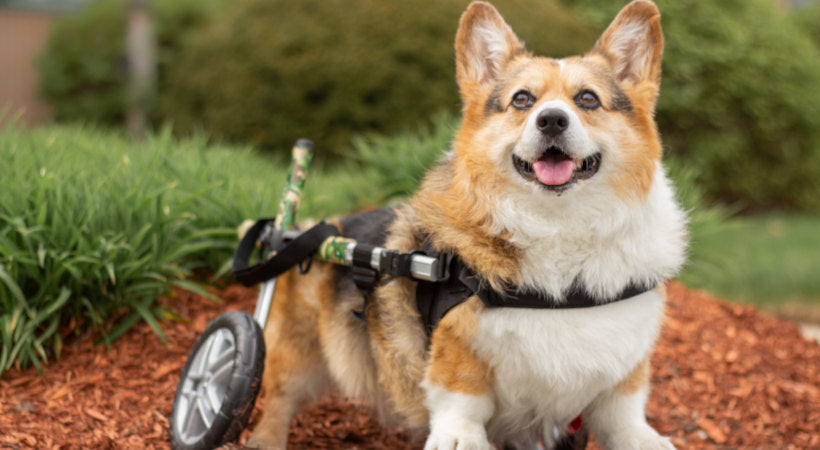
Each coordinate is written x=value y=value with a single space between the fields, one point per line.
x=587 y=99
x=522 y=100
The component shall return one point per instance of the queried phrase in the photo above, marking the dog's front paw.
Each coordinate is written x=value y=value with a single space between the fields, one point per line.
x=261 y=441
x=464 y=436
x=640 y=439
x=651 y=443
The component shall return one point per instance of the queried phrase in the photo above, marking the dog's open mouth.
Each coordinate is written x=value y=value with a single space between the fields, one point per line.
x=556 y=170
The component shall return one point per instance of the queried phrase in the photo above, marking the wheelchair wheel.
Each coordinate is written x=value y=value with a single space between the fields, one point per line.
x=219 y=383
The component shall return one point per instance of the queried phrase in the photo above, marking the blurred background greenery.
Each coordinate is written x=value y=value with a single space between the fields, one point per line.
x=740 y=99
x=372 y=83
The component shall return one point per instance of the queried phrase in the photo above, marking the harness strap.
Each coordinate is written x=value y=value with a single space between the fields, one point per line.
x=455 y=283
x=296 y=251
x=434 y=300
x=577 y=297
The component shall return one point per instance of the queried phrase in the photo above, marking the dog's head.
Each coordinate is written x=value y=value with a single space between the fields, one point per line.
x=557 y=126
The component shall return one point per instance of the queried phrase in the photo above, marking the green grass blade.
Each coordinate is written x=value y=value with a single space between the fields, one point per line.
x=195 y=288
x=122 y=327
x=148 y=316
x=12 y=286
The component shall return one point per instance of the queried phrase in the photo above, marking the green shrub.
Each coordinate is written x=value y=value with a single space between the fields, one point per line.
x=93 y=228
x=274 y=70
x=81 y=68
x=808 y=19
x=83 y=72
x=740 y=100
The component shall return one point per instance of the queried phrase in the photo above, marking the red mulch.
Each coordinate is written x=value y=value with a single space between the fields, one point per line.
x=725 y=376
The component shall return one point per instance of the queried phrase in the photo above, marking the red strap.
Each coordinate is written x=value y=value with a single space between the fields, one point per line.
x=575 y=425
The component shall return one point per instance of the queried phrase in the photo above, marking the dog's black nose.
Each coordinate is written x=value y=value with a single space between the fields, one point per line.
x=552 y=122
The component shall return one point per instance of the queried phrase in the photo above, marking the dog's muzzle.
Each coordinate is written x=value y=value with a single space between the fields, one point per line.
x=556 y=170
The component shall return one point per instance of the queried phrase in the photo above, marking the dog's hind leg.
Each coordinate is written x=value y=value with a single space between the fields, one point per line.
x=295 y=372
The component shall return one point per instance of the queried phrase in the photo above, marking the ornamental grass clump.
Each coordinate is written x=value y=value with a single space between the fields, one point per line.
x=94 y=228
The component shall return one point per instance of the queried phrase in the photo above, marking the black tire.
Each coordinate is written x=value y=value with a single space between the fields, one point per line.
x=219 y=383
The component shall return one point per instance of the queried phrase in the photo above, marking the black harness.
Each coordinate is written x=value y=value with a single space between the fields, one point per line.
x=433 y=299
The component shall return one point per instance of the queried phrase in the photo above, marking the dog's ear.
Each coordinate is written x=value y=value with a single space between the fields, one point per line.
x=484 y=45
x=633 y=43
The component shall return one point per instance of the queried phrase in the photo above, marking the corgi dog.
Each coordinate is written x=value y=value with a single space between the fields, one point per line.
x=554 y=183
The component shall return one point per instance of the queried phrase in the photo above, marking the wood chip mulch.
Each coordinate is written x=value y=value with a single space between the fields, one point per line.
x=725 y=376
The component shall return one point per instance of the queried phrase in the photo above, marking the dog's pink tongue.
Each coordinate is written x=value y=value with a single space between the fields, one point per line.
x=554 y=172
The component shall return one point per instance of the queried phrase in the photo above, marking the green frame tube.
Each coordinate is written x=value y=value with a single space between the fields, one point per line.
x=292 y=192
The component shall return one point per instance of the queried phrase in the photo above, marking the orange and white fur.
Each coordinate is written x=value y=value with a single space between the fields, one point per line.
x=554 y=178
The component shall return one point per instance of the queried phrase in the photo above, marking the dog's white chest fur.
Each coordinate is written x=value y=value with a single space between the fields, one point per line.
x=602 y=242
x=550 y=364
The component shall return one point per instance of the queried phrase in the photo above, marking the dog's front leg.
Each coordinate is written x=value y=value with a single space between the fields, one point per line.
x=457 y=386
x=617 y=417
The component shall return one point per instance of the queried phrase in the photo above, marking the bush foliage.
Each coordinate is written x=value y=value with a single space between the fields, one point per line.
x=739 y=103
x=808 y=18
x=740 y=100
x=83 y=68
x=274 y=70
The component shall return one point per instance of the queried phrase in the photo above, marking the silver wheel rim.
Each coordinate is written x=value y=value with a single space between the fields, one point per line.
x=205 y=385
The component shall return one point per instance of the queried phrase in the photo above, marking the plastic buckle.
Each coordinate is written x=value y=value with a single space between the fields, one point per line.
x=444 y=263
x=364 y=278
x=396 y=263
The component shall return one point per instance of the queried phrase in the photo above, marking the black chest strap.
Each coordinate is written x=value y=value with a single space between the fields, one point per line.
x=434 y=300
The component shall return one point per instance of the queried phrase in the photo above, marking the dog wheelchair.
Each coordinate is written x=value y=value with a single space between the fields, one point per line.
x=223 y=374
